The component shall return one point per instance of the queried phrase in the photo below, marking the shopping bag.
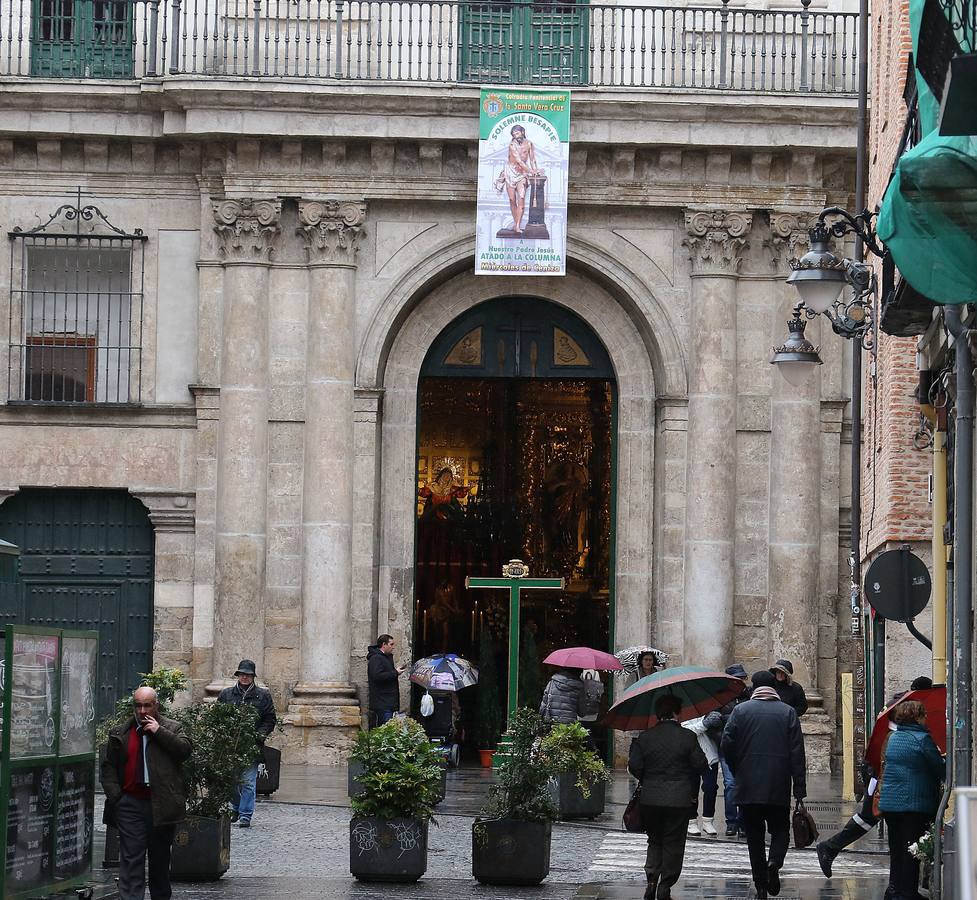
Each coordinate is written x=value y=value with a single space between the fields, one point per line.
x=632 y=812
x=805 y=831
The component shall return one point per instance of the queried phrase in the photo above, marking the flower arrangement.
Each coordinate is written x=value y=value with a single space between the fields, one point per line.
x=922 y=849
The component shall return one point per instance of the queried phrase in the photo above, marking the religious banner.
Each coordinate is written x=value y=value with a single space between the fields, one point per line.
x=523 y=163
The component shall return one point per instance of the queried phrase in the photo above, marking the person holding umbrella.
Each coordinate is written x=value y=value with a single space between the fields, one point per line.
x=667 y=760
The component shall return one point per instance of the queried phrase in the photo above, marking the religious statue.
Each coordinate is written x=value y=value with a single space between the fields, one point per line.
x=441 y=497
x=442 y=612
x=565 y=488
x=519 y=173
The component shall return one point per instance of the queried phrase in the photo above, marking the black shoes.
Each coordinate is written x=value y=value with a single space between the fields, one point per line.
x=761 y=893
x=825 y=859
x=235 y=816
x=652 y=890
x=773 y=881
x=732 y=831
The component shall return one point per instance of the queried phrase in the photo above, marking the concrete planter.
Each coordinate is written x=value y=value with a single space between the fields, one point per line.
x=201 y=849
x=508 y=851
x=387 y=849
x=269 y=771
x=572 y=803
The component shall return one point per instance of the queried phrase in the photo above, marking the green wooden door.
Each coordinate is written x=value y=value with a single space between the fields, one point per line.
x=82 y=39
x=522 y=42
x=86 y=562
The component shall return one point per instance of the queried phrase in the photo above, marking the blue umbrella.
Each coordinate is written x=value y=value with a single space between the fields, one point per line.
x=444 y=672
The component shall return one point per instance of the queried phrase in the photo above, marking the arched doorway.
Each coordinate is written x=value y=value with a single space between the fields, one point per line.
x=86 y=562
x=516 y=408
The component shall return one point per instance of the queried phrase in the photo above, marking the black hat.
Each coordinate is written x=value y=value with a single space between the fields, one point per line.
x=784 y=665
x=737 y=671
x=763 y=678
x=246 y=667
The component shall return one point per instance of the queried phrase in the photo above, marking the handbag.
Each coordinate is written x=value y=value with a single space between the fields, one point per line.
x=805 y=831
x=632 y=812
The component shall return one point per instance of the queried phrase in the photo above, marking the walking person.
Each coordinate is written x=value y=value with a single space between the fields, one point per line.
x=562 y=696
x=665 y=759
x=382 y=675
x=909 y=793
x=764 y=748
x=247 y=693
x=787 y=689
x=729 y=782
x=145 y=794
x=705 y=729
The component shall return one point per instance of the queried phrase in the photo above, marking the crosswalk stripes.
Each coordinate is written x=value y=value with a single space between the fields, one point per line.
x=624 y=854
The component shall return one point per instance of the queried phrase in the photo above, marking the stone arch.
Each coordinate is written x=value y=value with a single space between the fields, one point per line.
x=430 y=298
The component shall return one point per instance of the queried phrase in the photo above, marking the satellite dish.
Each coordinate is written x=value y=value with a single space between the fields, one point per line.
x=898 y=585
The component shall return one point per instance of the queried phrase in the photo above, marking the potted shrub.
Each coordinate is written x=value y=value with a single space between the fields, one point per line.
x=489 y=723
x=225 y=743
x=579 y=789
x=400 y=783
x=511 y=844
x=923 y=851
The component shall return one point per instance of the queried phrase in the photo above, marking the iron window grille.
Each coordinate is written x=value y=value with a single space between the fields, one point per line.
x=76 y=310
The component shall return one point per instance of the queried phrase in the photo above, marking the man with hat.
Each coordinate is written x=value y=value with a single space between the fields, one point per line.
x=246 y=692
x=729 y=782
x=789 y=691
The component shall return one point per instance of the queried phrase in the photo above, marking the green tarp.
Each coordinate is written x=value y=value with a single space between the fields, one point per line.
x=928 y=216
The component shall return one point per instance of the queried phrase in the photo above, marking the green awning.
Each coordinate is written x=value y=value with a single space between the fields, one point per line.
x=928 y=216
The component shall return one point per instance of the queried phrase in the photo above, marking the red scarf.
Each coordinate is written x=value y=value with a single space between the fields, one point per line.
x=133 y=780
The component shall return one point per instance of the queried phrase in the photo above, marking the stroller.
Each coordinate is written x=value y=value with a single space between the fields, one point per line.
x=441 y=725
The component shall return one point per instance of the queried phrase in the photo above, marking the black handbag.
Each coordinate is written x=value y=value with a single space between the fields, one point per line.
x=632 y=812
x=805 y=831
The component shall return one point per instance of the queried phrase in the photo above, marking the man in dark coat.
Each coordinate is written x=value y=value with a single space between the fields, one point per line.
x=729 y=782
x=668 y=761
x=787 y=689
x=764 y=747
x=145 y=795
x=382 y=675
x=247 y=693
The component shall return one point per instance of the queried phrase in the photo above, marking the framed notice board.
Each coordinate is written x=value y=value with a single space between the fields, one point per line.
x=47 y=773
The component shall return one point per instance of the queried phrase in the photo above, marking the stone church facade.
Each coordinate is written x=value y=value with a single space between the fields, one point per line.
x=302 y=246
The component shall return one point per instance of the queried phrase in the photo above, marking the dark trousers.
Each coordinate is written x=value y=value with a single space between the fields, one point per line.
x=710 y=790
x=137 y=837
x=756 y=819
x=904 y=829
x=666 y=827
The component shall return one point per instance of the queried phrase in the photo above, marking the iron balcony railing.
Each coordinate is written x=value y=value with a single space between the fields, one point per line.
x=503 y=41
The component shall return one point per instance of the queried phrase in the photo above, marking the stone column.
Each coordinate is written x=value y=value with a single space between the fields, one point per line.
x=715 y=242
x=794 y=538
x=248 y=231
x=324 y=702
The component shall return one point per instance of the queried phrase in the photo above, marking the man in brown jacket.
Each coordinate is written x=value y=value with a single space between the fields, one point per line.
x=145 y=795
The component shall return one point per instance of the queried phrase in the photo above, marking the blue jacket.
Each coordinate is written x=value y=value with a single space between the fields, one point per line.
x=912 y=770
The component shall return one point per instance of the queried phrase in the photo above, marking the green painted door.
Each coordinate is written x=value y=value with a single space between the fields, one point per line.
x=86 y=562
x=522 y=42
x=82 y=39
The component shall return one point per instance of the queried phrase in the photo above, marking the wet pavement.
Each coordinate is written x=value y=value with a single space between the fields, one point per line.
x=299 y=847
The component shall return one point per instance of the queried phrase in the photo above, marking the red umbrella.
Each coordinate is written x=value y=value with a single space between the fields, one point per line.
x=583 y=658
x=934 y=699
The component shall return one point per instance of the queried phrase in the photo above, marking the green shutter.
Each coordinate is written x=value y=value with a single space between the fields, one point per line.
x=82 y=39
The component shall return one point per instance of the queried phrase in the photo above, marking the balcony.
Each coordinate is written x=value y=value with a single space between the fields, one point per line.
x=715 y=48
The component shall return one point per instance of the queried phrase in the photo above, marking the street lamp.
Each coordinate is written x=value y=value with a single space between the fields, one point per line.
x=796 y=358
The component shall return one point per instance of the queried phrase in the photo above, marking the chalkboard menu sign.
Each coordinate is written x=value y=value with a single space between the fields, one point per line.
x=47 y=770
x=33 y=695
x=30 y=828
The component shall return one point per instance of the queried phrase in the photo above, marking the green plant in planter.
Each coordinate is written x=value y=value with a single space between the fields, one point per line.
x=924 y=847
x=521 y=790
x=566 y=748
x=225 y=743
x=489 y=724
x=402 y=772
x=165 y=681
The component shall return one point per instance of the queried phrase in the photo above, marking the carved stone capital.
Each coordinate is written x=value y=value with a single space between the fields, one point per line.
x=331 y=229
x=716 y=240
x=788 y=237
x=248 y=229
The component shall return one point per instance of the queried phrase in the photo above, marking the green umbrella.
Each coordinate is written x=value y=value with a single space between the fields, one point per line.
x=701 y=690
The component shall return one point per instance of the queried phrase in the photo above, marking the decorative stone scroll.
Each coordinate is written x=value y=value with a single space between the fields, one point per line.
x=332 y=230
x=788 y=237
x=248 y=229
x=716 y=240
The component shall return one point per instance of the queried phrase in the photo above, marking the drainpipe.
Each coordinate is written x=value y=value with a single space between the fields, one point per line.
x=959 y=613
x=939 y=554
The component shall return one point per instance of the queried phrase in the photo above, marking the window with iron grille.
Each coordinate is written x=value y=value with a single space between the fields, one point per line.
x=76 y=310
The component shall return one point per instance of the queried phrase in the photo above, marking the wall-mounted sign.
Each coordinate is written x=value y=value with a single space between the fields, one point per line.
x=523 y=164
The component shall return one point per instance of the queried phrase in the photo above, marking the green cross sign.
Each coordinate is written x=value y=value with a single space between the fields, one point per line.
x=514 y=579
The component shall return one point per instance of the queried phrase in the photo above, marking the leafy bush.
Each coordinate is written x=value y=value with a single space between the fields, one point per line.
x=402 y=777
x=225 y=743
x=522 y=787
x=165 y=681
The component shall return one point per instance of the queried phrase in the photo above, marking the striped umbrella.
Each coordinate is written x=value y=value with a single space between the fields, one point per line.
x=444 y=672
x=700 y=690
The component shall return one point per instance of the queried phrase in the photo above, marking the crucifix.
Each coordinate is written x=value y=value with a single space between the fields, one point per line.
x=514 y=579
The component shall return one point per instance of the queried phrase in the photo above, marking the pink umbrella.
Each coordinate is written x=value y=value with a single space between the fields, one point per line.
x=583 y=658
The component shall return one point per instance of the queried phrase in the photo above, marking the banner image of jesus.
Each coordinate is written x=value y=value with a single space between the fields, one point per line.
x=514 y=178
